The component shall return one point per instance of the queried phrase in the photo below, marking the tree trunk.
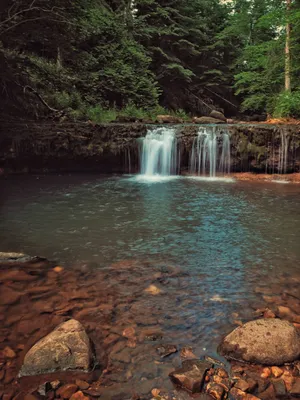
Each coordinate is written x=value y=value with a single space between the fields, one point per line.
x=288 y=50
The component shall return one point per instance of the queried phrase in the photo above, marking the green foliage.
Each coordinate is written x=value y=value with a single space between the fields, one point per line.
x=287 y=104
x=100 y=115
x=98 y=59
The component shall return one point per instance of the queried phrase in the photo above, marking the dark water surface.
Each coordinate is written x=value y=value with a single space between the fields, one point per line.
x=231 y=237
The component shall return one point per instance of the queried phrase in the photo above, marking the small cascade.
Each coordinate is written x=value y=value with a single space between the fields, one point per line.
x=283 y=152
x=159 y=152
x=128 y=160
x=210 y=152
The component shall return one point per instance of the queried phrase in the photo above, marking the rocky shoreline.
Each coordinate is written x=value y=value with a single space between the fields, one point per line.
x=72 y=333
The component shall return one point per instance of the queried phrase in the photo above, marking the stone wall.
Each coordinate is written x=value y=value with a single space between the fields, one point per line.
x=58 y=147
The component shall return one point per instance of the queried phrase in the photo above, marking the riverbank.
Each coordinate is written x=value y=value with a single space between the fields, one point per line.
x=251 y=177
x=132 y=312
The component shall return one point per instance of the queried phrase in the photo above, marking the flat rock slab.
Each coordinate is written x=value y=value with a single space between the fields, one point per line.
x=191 y=376
x=14 y=257
x=264 y=341
x=66 y=348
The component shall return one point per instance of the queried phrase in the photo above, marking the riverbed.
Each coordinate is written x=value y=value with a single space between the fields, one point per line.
x=187 y=257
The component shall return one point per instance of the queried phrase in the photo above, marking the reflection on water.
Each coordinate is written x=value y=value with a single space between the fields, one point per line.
x=236 y=233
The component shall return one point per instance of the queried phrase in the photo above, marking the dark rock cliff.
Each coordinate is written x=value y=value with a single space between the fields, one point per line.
x=55 y=147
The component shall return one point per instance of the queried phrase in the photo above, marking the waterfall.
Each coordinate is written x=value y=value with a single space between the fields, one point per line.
x=206 y=156
x=283 y=152
x=159 y=152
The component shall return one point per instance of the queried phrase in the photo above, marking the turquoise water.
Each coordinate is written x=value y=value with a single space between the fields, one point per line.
x=235 y=240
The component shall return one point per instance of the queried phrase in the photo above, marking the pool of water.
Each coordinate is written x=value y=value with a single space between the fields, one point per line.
x=219 y=227
x=232 y=238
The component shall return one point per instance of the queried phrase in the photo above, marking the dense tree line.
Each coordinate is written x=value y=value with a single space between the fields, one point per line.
x=99 y=58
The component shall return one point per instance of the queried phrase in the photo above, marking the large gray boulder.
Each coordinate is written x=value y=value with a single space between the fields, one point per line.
x=264 y=341
x=66 y=348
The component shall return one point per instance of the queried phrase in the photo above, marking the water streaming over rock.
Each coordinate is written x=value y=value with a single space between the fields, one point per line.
x=210 y=152
x=283 y=151
x=159 y=154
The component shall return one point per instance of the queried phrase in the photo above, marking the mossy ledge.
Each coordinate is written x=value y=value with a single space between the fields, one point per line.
x=78 y=147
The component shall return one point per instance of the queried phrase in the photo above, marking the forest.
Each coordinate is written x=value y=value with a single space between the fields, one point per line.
x=100 y=59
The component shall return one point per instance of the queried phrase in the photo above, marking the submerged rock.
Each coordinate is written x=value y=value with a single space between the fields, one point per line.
x=191 y=376
x=166 y=350
x=264 y=341
x=66 y=348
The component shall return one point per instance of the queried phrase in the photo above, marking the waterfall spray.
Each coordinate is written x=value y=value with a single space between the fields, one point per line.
x=159 y=152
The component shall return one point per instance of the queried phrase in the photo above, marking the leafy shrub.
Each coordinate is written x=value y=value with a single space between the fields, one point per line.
x=287 y=104
x=180 y=114
x=98 y=114
x=131 y=110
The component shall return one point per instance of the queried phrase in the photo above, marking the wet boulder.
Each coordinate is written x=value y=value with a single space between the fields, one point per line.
x=218 y=115
x=264 y=341
x=191 y=375
x=66 y=348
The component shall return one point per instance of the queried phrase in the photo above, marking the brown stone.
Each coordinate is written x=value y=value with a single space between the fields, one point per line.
x=264 y=341
x=8 y=296
x=206 y=120
x=9 y=376
x=266 y=373
x=269 y=314
x=187 y=353
x=30 y=397
x=279 y=387
x=218 y=115
x=2 y=373
x=67 y=390
x=237 y=394
x=8 y=352
x=166 y=350
x=79 y=396
x=295 y=389
x=65 y=348
x=222 y=373
x=55 y=384
x=168 y=119
x=276 y=371
x=287 y=313
x=242 y=385
x=82 y=384
x=155 y=392
x=129 y=332
x=268 y=394
x=122 y=356
x=191 y=376
x=215 y=390
x=17 y=276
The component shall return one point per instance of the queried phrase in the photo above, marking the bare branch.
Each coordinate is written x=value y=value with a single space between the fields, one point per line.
x=40 y=98
x=30 y=9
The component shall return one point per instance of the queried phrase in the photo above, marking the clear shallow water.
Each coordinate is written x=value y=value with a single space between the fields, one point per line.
x=235 y=239
x=196 y=223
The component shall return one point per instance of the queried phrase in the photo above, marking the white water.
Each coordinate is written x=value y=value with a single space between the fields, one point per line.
x=283 y=152
x=206 y=157
x=159 y=153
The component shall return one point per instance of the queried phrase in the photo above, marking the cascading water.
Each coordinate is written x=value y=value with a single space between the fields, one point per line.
x=159 y=152
x=283 y=152
x=206 y=155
